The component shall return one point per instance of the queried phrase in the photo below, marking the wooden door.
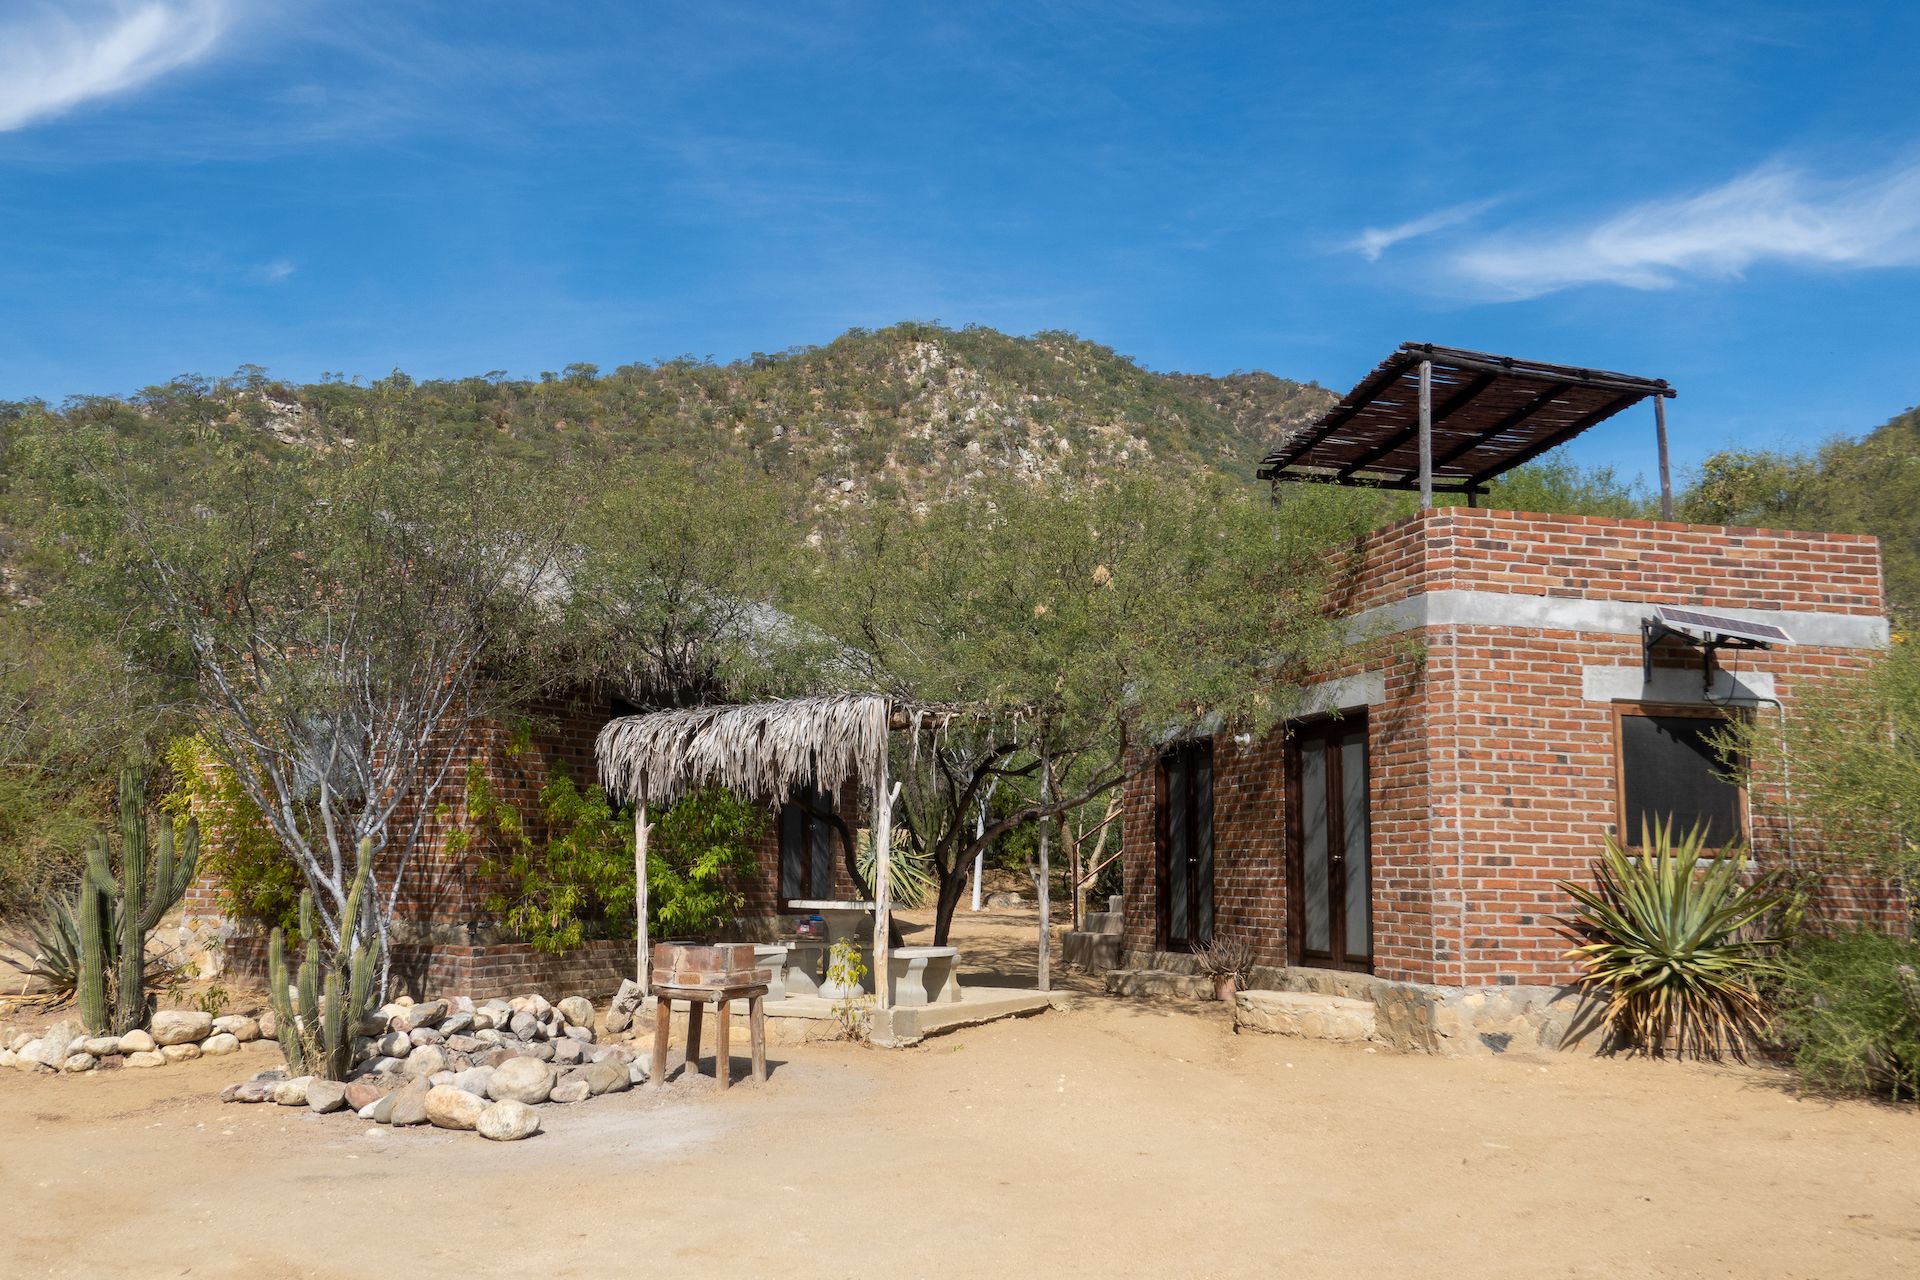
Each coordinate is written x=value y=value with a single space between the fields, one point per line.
x=1329 y=852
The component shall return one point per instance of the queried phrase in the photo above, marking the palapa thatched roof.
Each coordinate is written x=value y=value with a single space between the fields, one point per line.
x=762 y=750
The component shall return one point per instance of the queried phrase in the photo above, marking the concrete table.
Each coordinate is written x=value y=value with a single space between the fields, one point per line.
x=852 y=921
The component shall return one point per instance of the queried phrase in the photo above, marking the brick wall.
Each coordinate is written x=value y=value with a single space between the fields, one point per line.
x=1492 y=774
x=446 y=935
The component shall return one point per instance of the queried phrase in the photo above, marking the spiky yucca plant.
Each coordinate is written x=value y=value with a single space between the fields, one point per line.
x=1674 y=941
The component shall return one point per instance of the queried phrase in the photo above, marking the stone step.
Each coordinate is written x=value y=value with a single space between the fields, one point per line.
x=1093 y=952
x=1103 y=922
x=1307 y=1014
x=1158 y=982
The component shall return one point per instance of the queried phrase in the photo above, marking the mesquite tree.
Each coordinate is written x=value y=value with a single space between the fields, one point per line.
x=337 y=621
x=1072 y=626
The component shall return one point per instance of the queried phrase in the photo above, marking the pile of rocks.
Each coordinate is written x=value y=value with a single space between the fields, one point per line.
x=174 y=1035
x=454 y=1065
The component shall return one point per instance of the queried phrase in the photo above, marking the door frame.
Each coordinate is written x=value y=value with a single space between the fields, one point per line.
x=1327 y=727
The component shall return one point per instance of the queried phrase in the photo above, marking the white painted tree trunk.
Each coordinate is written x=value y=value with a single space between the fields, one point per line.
x=1044 y=894
x=641 y=958
x=883 y=797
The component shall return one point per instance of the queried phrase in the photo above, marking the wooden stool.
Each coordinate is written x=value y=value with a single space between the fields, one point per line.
x=697 y=999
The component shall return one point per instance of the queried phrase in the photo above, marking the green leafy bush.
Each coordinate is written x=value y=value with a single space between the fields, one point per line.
x=568 y=871
x=696 y=857
x=1667 y=936
x=1850 y=1013
x=254 y=879
x=568 y=876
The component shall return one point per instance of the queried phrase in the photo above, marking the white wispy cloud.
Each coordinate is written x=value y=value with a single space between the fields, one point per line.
x=273 y=272
x=1374 y=241
x=56 y=56
x=1773 y=214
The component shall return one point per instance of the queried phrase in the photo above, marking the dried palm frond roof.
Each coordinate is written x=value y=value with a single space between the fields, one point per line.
x=762 y=750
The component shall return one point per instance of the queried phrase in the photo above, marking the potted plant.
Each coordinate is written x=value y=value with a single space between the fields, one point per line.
x=1228 y=961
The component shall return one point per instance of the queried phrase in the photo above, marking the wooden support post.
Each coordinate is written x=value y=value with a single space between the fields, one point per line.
x=641 y=957
x=1043 y=892
x=1666 y=475
x=883 y=796
x=1426 y=434
x=662 y=1024
x=723 y=1041
x=757 y=1033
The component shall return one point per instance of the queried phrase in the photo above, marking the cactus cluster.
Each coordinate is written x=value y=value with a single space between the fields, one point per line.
x=318 y=1012
x=117 y=912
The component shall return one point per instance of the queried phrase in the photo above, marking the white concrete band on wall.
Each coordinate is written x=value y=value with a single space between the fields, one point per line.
x=1458 y=608
x=1677 y=685
x=1349 y=693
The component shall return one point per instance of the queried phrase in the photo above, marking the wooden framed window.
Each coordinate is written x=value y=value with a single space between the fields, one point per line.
x=806 y=846
x=1667 y=769
x=1184 y=838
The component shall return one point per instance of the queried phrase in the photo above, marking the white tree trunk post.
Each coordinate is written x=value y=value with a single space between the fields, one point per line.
x=883 y=796
x=980 y=857
x=641 y=958
x=1046 y=900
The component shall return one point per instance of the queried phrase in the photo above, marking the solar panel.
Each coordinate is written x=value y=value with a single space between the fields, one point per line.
x=1719 y=624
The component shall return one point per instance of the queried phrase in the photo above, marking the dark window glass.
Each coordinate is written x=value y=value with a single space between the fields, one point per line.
x=1672 y=773
x=806 y=846
x=1187 y=837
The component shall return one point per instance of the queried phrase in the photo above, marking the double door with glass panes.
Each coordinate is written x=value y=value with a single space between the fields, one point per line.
x=1329 y=853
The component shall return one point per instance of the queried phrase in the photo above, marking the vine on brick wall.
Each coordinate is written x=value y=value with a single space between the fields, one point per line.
x=568 y=871
x=253 y=877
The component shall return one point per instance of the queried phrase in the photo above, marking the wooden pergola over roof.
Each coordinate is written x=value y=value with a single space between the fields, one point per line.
x=1444 y=420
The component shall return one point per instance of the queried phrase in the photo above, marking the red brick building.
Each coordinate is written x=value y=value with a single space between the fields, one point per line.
x=1405 y=839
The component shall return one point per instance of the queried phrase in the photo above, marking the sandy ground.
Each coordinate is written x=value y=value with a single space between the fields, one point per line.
x=1117 y=1138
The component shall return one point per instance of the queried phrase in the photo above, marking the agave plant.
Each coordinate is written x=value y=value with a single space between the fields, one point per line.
x=1673 y=940
x=909 y=874
x=56 y=953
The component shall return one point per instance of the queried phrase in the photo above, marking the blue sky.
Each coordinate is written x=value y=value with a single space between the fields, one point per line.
x=1725 y=195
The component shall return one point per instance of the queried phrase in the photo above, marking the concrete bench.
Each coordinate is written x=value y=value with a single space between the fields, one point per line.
x=923 y=975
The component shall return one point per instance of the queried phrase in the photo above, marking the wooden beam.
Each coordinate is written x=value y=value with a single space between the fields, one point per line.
x=1426 y=434
x=1338 y=416
x=1559 y=437
x=1505 y=424
x=1666 y=475
x=1453 y=404
x=1456 y=358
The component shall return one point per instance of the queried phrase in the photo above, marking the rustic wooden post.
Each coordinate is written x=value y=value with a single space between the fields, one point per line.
x=641 y=958
x=1426 y=434
x=1666 y=476
x=1046 y=900
x=883 y=795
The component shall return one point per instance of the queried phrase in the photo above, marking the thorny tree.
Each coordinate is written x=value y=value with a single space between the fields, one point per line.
x=338 y=622
x=1070 y=628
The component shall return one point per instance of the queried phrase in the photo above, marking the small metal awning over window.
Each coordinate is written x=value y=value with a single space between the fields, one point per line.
x=1438 y=419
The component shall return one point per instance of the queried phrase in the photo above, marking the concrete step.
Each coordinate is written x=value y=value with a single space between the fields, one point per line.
x=1103 y=922
x=1093 y=952
x=1307 y=1014
x=1158 y=982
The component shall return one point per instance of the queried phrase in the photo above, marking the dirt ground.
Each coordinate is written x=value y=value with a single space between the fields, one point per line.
x=1116 y=1139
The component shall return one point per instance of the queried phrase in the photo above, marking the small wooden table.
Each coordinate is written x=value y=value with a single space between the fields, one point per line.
x=697 y=999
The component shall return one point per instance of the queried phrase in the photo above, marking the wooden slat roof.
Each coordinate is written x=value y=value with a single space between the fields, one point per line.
x=1490 y=414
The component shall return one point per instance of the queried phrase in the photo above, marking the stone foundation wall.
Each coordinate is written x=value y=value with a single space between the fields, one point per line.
x=1414 y=1017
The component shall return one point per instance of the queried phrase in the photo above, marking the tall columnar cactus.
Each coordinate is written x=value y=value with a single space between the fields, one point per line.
x=318 y=1013
x=118 y=911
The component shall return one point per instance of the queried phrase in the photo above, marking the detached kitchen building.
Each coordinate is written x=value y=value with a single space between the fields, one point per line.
x=1395 y=855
